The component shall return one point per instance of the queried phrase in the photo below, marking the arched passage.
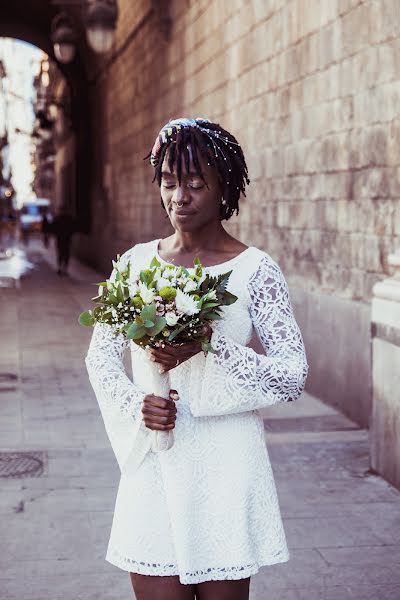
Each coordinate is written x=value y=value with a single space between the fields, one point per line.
x=30 y=21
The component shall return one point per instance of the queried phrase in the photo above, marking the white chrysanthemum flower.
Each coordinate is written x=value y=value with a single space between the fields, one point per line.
x=146 y=295
x=162 y=282
x=168 y=272
x=171 y=318
x=186 y=303
x=190 y=286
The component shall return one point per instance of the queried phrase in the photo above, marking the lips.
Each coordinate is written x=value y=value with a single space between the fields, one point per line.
x=182 y=213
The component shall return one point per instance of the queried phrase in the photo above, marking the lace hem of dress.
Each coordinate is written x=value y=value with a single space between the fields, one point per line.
x=199 y=576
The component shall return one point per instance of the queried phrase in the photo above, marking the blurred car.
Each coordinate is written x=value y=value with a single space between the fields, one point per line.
x=32 y=213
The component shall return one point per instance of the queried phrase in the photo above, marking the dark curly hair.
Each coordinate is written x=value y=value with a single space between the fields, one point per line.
x=219 y=147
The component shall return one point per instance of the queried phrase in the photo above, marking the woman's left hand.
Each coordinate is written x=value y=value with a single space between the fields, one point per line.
x=171 y=355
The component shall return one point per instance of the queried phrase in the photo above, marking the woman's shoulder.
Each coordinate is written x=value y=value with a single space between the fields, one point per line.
x=262 y=267
x=140 y=249
x=260 y=259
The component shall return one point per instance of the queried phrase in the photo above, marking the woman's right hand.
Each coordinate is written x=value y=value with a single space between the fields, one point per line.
x=159 y=413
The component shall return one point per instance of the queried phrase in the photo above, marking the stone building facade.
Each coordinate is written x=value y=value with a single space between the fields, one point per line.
x=311 y=89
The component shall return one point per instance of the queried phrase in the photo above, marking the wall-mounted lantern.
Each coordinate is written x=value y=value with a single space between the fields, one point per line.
x=100 y=20
x=63 y=38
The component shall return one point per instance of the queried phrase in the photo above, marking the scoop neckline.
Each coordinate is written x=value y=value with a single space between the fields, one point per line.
x=221 y=264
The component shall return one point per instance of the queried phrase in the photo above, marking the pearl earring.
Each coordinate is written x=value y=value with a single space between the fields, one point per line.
x=223 y=201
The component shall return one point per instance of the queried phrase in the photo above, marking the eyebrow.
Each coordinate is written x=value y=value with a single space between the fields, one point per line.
x=168 y=173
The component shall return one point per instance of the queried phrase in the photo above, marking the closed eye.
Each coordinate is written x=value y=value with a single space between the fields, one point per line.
x=194 y=185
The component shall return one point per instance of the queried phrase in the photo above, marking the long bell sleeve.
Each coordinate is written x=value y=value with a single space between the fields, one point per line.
x=119 y=398
x=236 y=378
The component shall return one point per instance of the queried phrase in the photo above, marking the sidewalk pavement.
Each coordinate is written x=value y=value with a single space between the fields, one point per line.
x=342 y=521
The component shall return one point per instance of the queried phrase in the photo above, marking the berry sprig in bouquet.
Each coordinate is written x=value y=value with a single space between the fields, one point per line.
x=163 y=304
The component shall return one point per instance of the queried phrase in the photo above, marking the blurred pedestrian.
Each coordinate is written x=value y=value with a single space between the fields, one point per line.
x=63 y=228
x=46 y=228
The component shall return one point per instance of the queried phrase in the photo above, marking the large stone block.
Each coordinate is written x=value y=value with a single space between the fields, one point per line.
x=385 y=423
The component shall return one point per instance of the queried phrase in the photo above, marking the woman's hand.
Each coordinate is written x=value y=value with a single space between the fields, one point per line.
x=171 y=356
x=159 y=413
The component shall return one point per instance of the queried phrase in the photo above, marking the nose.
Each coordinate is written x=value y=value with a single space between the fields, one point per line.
x=180 y=194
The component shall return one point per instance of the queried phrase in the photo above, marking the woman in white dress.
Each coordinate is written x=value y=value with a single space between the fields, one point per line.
x=196 y=521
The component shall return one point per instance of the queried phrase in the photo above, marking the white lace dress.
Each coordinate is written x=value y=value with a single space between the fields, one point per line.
x=207 y=508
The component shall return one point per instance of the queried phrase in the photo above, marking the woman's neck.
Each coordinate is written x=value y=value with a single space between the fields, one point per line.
x=209 y=237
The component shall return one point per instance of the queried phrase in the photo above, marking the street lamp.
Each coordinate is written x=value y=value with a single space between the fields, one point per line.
x=63 y=37
x=100 y=19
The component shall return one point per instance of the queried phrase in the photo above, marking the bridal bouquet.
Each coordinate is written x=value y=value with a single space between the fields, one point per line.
x=163 y=304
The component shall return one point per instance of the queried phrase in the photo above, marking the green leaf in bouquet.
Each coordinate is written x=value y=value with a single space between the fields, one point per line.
x=207 y=347
x=177 y=331
x=210 y=304
x=118 y=276
x=223 y=281
x=154 y=263
x=149 y=312
x=197 y=261
x=126 y=326
x=229 y=298
x=148 y=323
x=120 y=292
x=86 y=319
x=204 y=287
x=159 y=324
x=135 y=331
x=200 y=302
x=213 y=316
x=146 y=276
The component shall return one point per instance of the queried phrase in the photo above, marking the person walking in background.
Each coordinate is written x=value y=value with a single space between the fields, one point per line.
x=46 y=228
x=63 y=227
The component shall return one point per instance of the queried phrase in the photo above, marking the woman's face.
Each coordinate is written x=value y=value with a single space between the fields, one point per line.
x=191 y=204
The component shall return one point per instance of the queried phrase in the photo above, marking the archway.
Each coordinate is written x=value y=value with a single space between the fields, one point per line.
x=30 y=21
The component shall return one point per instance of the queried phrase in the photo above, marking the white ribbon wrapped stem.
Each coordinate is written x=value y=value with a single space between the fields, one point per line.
x=160 y=440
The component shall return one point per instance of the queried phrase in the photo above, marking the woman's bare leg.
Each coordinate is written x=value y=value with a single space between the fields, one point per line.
x=149 y=587
x=223 y=590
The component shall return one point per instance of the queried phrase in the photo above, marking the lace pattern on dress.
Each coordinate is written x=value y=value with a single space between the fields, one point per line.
x=242 y=379
x=120 y=400
x=198 y=576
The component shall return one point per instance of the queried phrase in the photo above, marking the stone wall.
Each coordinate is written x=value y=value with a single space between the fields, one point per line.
x=311 y=88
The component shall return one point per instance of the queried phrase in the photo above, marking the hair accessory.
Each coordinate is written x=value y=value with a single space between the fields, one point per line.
x=170 y=129
x=174 y=125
